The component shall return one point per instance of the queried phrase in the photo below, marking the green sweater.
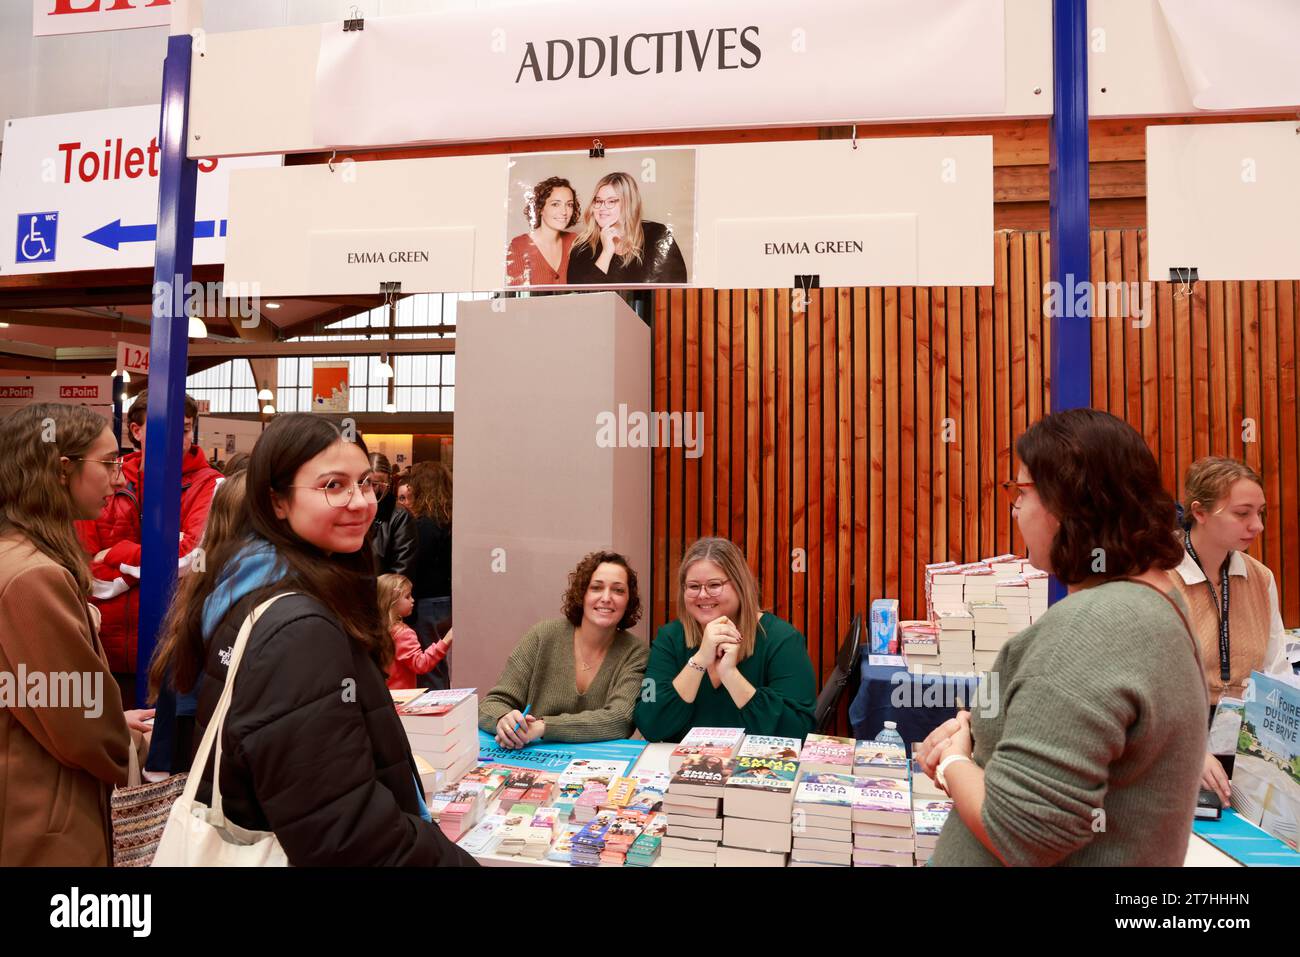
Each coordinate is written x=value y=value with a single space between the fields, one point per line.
x=779 y=669
x=1093 y=749
x=542 y=672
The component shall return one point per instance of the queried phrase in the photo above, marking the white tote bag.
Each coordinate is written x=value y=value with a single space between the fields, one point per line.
x=200 y=836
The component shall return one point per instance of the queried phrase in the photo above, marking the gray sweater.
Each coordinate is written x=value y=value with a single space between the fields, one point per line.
x=1094 y=754
x=542 y=672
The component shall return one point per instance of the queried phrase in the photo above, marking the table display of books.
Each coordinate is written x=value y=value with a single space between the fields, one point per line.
x=442 y=727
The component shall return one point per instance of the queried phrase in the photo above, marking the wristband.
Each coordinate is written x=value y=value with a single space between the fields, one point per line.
x=691 y=662
x=943 y=766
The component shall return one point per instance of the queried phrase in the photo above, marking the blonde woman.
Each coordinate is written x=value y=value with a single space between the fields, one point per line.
x=725 y=663
x=1223 y=514
x=616 y=247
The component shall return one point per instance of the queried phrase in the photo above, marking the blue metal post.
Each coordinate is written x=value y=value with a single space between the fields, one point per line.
x=1071 y=358
x=168 y=355
x=119 y=389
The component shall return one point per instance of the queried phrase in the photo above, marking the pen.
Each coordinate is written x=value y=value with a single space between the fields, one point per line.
x=527 y=708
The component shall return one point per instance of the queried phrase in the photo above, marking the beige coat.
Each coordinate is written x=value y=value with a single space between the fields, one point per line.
x=57 y=764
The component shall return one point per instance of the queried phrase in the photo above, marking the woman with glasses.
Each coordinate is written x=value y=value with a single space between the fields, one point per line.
x=1092 y=749
x=392 y=535
x=616 y=247
x=312 y=749
x=62 y=751
x=725 y=663
x=1222 y=516
x=574 y=678
x=540 y=257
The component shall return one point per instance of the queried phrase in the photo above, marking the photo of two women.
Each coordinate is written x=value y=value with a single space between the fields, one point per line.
x=626 y=224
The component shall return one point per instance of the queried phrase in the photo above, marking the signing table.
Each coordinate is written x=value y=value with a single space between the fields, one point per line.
x=655 y=759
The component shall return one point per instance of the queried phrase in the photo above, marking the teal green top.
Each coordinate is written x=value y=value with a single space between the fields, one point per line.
x=785 y=689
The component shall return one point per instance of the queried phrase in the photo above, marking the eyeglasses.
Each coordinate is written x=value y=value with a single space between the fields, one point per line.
x=380 y=486
x=713 y=589
x=114 y=466
x=1014 y=490
x=339 y=495
x=605 y=203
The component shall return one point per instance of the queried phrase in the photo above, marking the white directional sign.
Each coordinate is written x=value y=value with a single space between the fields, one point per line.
x=80 y=191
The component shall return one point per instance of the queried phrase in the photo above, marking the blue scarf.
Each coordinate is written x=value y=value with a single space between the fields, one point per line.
x=253 y=567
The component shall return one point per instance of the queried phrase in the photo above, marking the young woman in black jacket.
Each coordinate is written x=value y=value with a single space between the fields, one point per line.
x=312 y=748
x=392 y=534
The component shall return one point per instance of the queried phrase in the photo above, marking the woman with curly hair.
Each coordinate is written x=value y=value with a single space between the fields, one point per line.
x=540 y=257
x=429 y=494
x=581 y=674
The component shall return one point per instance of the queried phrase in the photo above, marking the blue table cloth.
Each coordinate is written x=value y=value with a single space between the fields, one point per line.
x=916 y=703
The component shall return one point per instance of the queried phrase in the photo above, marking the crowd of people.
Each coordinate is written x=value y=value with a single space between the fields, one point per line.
x=1102 y=704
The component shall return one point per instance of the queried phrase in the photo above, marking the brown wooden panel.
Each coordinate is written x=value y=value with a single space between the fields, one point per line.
x=816 y=482
x=988 y=448
x=1236 y=376
x=1100 y=341
x=1183 y=374
x=1269 y=423
x=924 y=464
x=753 y=431
x=659 y=609
x=1034 y=280
x=726 y=457
x=691 y=404
x=909 y=553
x=869 y=513
x=784 y=494
x=970 y=420
x=939 y=360
x=1288 y=574
x=799 y=449
x=886 y=564
x=767 y=510
x=1199 y=318
x=830 y=497
x=1217 y=358
x=1251 y=371
x=953 y=432
x=739 y=431
x=1168 y=378
x=1114 y=324
x=844 y=441
x=1003 y=467
x=1130 y=307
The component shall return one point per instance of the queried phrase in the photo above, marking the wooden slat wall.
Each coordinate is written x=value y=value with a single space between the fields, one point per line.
x=851 y=440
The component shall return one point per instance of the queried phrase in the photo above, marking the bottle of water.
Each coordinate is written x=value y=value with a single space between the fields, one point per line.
x=890 y=734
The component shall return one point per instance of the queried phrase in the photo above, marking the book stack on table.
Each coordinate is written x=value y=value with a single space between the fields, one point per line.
x=956 y=641
x=700 y=766
x=758 y=803
x=620 y=837
x=645 y=849
x=920 y=644
x=514 y=831
x=822 y=822
x=442 y=727
x=991 y=631
x=930 y=807
x=588 y=843
x=540 y=832
x=1037 y=581
x=882 y=823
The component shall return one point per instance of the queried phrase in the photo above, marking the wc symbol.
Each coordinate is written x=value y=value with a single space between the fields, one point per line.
x=37 y=235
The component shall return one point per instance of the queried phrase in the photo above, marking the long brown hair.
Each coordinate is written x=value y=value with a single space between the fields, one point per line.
x=731 y=560
x=431 y=491
x=227 y=522
x=343 y=583
x=391 y=587
x=33 y=498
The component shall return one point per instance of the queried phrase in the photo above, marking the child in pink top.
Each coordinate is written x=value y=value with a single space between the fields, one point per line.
x=395 y=603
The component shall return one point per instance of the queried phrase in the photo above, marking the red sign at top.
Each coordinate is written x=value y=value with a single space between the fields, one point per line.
x=51 y=17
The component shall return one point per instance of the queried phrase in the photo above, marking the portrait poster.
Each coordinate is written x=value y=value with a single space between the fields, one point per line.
x=626 y=219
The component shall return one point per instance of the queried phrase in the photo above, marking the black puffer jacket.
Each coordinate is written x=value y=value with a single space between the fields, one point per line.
x=392 y=536
x=312 y=748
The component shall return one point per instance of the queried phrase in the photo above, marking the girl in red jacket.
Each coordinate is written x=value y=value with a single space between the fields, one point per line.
x=396 y=603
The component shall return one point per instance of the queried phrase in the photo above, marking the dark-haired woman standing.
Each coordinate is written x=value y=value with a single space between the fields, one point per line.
x=1094 y=751
x=581 y=673
x=312 y=747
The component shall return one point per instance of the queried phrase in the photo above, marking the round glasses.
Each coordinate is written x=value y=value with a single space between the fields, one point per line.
x=339 y=494
x=114 y=466
x=713 y=589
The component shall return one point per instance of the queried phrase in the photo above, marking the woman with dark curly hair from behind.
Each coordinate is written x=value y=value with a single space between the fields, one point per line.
x=580 y=675
x=1091 y=749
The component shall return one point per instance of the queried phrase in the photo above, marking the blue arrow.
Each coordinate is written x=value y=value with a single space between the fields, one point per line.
x=115 y=234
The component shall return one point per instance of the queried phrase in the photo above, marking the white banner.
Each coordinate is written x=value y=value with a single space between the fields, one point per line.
x=52 y=17
x=1239 y=55
x=80 y=191
x=552 y=69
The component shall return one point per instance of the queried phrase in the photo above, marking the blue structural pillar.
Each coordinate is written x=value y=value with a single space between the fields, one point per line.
x=1071 y=369
x=168 y=354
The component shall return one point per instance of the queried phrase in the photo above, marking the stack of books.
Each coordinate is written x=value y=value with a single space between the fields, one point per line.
x=520 y=783
x=577 y=776
x=650 y=792
x=591 y=800
x=947 y=591
x=822 y=823
x=486 y=835
x=562 y=849
x=645 y=849
x=920 y=643
x=930 y=807
x=991 y=631
x=620 y=838
x=706 y=742
x=758 y=803
x=692 y=803
x=882 y=823
x=442 y=727
x=1013 y=593
x=590 y=841
x=460 y=815
x=540 y=833
x=824 y=753
x=930 y=571
x=514 y=831
x=1005 y=566
x=979 y=584
x=1037 y=582
x=956 y=641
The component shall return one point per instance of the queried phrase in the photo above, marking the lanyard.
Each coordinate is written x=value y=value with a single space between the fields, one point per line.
x=1225 y=666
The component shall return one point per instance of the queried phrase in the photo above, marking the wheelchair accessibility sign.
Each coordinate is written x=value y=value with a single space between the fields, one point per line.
x=38 y=235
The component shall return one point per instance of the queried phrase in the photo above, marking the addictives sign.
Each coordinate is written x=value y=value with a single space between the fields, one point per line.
x=576 y=67
x=80 y=191
x=51 y=17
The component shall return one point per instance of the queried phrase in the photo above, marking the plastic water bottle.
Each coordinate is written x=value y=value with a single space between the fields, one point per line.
x=890 y=735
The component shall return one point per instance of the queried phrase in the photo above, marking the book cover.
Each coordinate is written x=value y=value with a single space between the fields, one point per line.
x=1266 y=773
x=435 y=703
x=769 y=746
x=826 y=790
x=485 y=836
x=880 y=759
x=713 y=742
x=764 y=774
x=703 y=771
x=582 y=770
x=562 y=848
x=822 y=752
x=883 y=794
